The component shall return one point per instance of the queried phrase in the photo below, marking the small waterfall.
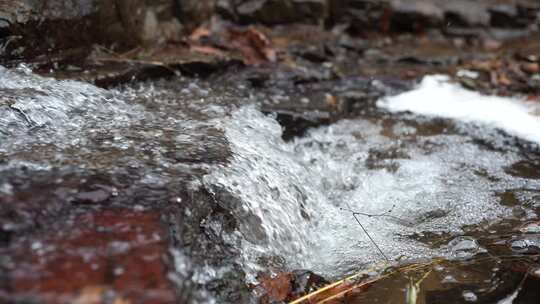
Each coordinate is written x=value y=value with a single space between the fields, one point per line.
x=288 y=196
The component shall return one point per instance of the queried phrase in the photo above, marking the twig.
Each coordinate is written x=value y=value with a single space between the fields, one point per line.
x=338 y=289
x=384 y=214
x=136 y=61
x=30 y=122
x=370 y=238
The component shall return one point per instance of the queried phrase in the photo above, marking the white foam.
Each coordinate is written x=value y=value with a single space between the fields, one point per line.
x=287 y=196
x=436 y=96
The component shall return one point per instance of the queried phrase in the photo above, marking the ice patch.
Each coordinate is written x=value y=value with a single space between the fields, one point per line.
x=436 y=96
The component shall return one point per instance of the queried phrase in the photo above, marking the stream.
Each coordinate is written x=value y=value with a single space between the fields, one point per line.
x=450 y=184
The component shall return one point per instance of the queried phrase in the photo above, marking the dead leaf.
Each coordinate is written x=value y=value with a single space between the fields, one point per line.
x=530 y=68
x=90 y=295
x=275 y=289
x=121 y=300
x=262 y=44
x=208 y=50
x=253 y=45
x=331 y=101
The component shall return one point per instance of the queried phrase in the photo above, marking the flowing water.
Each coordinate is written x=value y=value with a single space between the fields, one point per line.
x=295 y=199
x=419 y=185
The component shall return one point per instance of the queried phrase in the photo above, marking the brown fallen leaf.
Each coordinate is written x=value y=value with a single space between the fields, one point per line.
x=120 y=300
x=254 y=46
x=208 y=50
x=262 y=44
x=90 y=295
x=530 y=67
x=331 y=101
x=275 y=289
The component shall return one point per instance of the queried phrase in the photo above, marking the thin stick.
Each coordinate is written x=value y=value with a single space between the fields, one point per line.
x=28 y=120
x=384 y=214
x=371 y=239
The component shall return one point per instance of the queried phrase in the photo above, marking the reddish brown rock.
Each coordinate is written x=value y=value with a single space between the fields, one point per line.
x=287 y=286
x=275 y=289
x=115 y=253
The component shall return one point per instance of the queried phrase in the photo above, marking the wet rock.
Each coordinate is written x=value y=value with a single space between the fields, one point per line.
x=193 y=13
x=465 y=14
x=18 y=11
x=385 y=159
x=37 y=28
x=529 y=293
x=119 y=251
x=274 y=289
x=288 y=286
x=305 y=282
x=55 y=251
x=453 y=17
x=469 y=296
x=415 y=16
x=508 y=198
x=525 y=168
x=295 y=124
x=70 y=28
x=92 y=197
x=529 y=244
x=361 y=15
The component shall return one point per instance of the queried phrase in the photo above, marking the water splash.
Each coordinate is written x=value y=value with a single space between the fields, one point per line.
x=287 y=196
x=58 y=109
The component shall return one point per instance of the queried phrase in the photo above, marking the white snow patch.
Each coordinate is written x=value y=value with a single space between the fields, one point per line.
x=436 y=96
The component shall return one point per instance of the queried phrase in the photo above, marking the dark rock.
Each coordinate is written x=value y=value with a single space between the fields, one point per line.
x=504 y=15
x=63 y=30
x=281 y=11
x=420 y=15
x=35 y=28
x=193 y=13
x=361 y=15
x=415 y=16
x=525 y=168
x=464 y=13
x=227 y=9
x=305 y=282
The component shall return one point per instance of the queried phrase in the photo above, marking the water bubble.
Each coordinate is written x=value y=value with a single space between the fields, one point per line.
x=531 y=228
x=464 y=246
x=118 y=271
x=526 y=244
x=6 y=188
x=449 y=279
x=469 y=296
x=36 y=245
